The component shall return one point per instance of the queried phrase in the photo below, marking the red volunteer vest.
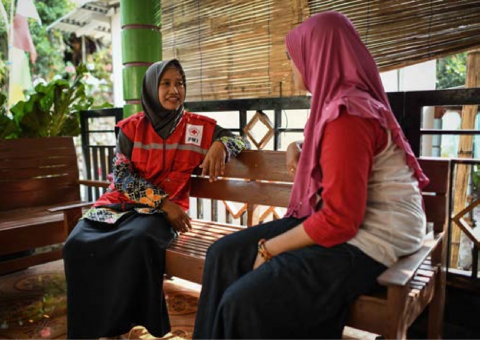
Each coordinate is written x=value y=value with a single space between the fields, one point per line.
x=166 y=163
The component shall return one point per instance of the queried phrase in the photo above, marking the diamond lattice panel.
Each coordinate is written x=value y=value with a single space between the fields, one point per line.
x=235 y=209
x=259 y=118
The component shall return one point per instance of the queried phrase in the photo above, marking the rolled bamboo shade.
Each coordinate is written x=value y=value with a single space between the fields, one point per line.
x=403 y=32
x=231 y=48
x=234 y=49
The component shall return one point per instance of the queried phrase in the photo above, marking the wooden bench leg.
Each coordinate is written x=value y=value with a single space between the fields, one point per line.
x=436 y=311
x=397 y=313
x=437 y=305
x=70 y=219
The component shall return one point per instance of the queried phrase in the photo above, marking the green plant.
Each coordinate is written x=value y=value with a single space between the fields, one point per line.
x=3 y=72
x=52 y=110
x=7 y=125
x=48 y=43
x=451 y=71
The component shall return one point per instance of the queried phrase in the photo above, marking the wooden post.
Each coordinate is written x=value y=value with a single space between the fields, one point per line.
x=465 y=150
x=252 y=215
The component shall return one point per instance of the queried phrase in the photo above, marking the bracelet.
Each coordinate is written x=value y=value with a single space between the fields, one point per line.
x=263 y=251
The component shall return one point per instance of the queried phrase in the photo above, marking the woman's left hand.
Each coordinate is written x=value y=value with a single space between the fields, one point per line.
x=214 y=163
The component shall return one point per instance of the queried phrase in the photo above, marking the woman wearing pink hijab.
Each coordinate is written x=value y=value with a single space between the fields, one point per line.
x=355 y=207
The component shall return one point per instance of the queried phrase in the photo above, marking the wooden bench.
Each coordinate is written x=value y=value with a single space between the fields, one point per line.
x=416 y=281
x=35 y=175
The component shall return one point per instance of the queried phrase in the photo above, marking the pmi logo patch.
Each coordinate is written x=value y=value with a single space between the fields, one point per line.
x=194 y=134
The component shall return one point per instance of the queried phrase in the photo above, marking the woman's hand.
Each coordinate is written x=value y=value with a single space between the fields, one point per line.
x=292 y=239
x=263 y=251
x=178 y=218
x=214 y=163
x=258 y=261
x=293 y=154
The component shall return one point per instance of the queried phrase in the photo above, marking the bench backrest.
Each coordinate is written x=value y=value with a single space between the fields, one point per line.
x=37 y=172
x=261 y=178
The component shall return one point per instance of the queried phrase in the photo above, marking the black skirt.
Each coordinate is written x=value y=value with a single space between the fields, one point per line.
x=303 y=293
x=114 y=276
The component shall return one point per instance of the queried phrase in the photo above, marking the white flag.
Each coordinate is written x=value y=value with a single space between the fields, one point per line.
x=27 y=9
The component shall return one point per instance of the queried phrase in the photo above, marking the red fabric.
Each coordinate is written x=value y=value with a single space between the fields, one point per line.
x=340 y=72
x=348 y=147
x=169 y=163
x=22 y=38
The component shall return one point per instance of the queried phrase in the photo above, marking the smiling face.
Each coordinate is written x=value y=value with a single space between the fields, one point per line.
x=171 y=91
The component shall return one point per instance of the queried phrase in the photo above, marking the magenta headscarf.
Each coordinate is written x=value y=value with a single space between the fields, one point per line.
x=339 y=71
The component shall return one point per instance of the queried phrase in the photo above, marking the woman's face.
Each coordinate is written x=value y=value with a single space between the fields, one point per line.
x=297 y=77
x=171 y=91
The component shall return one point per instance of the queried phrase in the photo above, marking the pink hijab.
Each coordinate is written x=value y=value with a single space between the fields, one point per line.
x=339 y=71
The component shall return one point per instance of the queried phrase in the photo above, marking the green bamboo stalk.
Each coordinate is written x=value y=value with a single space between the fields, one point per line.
x=141 y=46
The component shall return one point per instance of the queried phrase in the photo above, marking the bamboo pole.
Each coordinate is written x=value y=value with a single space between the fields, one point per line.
x=465 y=150
x=141 y=47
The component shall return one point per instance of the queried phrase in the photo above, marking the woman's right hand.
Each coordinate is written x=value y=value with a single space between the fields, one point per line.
x=178 y=218
x=293 y=154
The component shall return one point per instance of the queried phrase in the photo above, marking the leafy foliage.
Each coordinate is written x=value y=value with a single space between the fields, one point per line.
x=101 y=61
x=451 y=71
x=53 y=110
x=51 y=48
x=3 y=71
x=47 y=43
x=7 y=125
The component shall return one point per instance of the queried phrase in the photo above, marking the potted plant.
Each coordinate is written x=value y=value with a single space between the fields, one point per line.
x=52 y=110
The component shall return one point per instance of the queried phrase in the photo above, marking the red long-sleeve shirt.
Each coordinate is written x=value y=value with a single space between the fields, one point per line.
x=349 y=144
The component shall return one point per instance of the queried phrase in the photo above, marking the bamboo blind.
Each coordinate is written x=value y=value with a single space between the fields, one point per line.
x=403 y=32
x=233 y=49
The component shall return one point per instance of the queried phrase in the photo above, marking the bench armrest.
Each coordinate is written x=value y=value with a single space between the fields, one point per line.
x=71 y=214
x=70 y=206
x=94 y=183
x=405 y=268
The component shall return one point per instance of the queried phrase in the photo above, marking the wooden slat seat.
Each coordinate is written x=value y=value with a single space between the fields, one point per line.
x=35 y=175
x=27 y=216
x=203 y=234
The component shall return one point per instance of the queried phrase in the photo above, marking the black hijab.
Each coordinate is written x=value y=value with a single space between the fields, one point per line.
x=162 y=120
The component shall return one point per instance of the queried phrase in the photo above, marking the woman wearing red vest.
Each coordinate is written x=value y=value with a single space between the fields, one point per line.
x=115 y=256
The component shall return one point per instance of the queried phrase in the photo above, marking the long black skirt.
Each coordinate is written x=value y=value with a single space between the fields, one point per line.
x=303 y=293
x=114 y=276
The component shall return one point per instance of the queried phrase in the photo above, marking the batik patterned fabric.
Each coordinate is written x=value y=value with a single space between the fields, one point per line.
x=234 y=145
x=147 y=196
x=111 y=216
x=136 y=188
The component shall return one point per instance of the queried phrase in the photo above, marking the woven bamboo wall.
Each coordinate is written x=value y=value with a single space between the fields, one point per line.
x=234 y=49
